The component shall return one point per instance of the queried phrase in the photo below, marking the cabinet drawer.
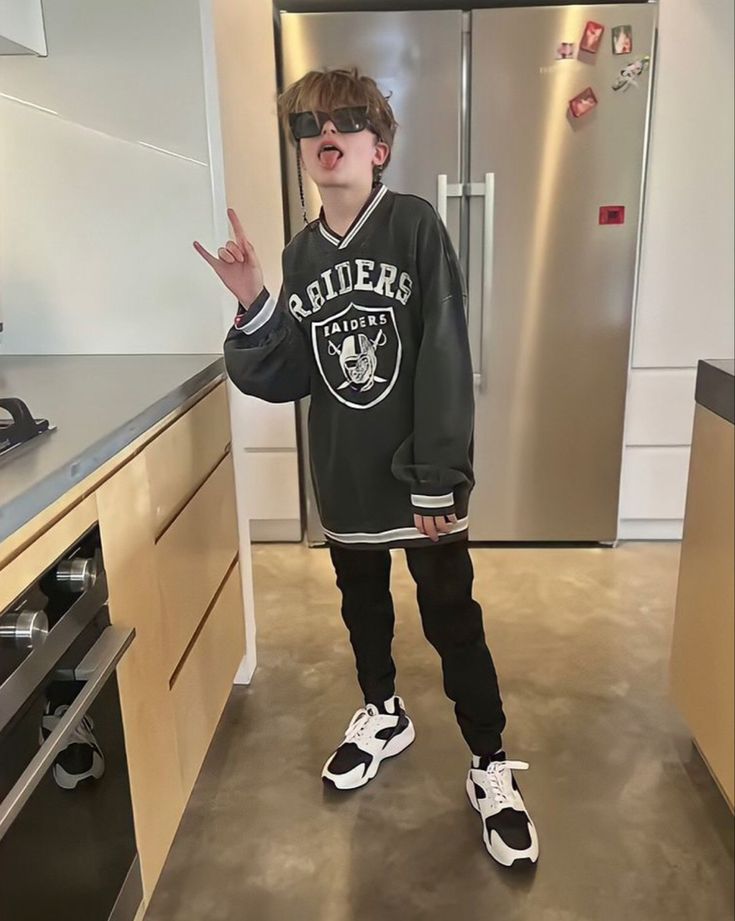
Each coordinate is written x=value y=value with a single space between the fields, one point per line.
x=202 y=685
x=180 y=459
x=660 y=408
x=193 y=557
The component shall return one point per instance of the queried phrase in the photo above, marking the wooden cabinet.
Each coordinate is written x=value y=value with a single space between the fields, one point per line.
x=126 y=528
x=181 y=458
x=702 y=662
x=193 y=557
x=201 y=685
x=167 y=516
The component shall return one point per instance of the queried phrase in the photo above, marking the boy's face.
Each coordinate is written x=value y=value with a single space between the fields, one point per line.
x=350 y=164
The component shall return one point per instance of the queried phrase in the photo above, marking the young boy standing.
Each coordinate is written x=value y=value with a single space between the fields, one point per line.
x=370 y=322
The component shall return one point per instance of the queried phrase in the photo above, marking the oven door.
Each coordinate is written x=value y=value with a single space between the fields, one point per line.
x=67 y=851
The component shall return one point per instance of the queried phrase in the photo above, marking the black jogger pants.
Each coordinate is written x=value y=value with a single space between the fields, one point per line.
x=452 y=623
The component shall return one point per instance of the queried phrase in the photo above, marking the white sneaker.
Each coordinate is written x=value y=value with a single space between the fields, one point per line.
x=507 y=829
x=374 y=734
x=81 y=758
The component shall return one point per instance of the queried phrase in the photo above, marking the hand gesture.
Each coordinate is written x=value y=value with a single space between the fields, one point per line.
x=431 y=524
x=237 y=265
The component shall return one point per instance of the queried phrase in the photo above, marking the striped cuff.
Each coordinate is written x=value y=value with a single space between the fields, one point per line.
x=433 y=505
x=249 y=320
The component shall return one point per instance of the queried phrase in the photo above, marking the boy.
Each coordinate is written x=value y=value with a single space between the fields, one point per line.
x=370 y=321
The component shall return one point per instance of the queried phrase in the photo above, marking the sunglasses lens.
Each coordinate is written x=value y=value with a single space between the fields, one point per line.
x=304 y=125
x=350 y=119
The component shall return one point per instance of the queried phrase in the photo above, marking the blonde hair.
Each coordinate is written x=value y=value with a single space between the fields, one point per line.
x=323 y=91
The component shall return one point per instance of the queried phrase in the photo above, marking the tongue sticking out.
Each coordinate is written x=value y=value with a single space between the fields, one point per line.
x=329 y=158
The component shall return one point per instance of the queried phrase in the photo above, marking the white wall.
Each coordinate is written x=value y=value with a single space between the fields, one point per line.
x=265 y=433
x=685 y=301
x=95 y=227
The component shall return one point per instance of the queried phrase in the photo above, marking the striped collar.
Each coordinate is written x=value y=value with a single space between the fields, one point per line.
x=361 y=219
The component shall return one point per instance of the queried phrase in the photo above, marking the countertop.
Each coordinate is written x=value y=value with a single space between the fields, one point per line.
x=716 y=387
x=99 y=404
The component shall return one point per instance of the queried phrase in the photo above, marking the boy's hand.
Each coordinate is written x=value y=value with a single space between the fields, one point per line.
x=430 y=525
x=237 y=266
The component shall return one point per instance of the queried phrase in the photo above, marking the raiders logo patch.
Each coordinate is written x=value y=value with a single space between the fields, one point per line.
x=358 y=352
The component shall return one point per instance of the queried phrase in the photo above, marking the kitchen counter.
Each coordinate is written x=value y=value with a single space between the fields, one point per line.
x=99 y=405
x=702 y=660
x=716 y=387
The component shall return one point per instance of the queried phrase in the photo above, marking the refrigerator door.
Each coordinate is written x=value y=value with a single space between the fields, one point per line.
x=415 y=57
x=551 y=287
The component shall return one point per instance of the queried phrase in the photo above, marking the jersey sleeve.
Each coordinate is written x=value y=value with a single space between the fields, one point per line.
x=265 y=352
x=436 y=458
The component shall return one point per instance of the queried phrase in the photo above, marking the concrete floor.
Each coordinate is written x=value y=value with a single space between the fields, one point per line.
x=631 y=826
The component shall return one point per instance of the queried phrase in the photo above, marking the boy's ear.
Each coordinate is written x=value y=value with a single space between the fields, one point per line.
x=382 y=150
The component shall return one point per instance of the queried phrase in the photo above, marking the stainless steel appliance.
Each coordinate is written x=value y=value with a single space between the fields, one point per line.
x=544 y=209
x=67 y=844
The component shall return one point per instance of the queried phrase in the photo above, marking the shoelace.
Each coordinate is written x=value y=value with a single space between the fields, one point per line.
x=359 y=722
x=500 y=780
x=83 y=733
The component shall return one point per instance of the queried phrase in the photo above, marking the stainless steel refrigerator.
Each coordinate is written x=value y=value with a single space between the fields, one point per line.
x=543 y=202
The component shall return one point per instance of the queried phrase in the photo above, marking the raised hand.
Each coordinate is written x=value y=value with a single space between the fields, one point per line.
x=237 y=265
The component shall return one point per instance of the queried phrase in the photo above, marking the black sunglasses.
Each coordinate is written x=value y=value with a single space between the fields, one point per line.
x=347 y=120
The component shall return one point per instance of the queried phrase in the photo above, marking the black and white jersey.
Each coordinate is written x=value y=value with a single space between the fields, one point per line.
x=372 y=326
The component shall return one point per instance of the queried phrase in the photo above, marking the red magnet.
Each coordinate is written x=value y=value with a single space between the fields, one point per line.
x=592 y=37
x=583 y=103
x=612 y=214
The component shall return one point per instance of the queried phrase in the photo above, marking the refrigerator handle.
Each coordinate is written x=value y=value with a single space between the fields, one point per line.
x=441 y=196
x=488 y=261
x=445 y=190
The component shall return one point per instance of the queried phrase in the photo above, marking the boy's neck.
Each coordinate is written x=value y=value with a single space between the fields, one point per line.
x=342 y=205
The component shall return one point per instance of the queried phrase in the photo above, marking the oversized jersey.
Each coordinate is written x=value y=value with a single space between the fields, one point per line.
x=372 y=326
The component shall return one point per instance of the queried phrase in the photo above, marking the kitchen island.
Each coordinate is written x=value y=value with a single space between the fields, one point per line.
x=141 y=454
x=702 y=674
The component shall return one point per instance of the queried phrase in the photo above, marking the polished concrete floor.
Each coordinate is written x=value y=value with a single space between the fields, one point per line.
x=631 y=825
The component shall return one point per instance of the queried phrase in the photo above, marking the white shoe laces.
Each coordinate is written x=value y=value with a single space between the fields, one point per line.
x=360 y=722
x=499 y=780
x=83 y=733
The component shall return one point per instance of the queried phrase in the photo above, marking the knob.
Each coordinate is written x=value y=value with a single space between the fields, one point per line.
x=24 y=629
x=76 y=575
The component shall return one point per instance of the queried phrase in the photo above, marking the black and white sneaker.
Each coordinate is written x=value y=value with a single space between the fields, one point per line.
x=82 y=758
x=507 y=829
x=374 y=734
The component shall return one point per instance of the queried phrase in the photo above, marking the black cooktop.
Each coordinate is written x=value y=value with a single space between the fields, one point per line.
x=18 y=426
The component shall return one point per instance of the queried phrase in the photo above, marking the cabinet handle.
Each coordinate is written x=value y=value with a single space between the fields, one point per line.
x=488 y=260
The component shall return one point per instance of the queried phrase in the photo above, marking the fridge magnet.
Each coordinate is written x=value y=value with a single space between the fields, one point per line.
x=622 y=39
x=583 y=103
x=629 y=75
x=566 y=51
x=592 y=37
x=612 y=214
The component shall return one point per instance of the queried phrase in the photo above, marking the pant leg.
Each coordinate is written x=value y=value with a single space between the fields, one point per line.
x=452 y=622
x=363 y=577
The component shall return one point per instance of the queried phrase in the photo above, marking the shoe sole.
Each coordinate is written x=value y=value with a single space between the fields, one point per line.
x=68 y=781
x=405 y=739
x=518 y=863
